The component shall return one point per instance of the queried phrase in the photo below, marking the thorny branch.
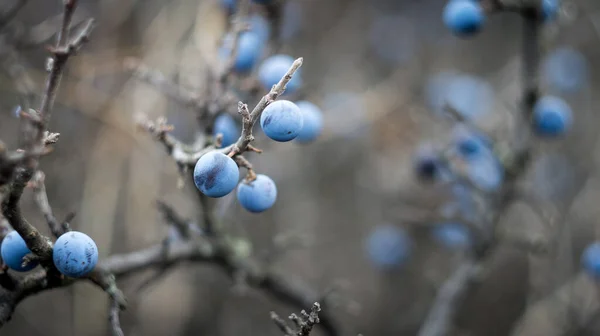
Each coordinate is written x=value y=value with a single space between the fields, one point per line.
x=303 y=324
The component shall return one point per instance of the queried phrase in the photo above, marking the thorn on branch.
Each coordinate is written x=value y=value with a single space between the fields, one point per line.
x=303 y=324
x=50 y=138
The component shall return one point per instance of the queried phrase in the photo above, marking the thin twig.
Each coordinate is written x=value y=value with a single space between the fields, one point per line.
x=41 y=199
x=114 y=319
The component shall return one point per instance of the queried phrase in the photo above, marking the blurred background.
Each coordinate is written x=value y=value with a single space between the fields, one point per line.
x=380 y=70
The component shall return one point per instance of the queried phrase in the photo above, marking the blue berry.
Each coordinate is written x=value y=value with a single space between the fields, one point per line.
x=263 y=2
x=291 y=20
x=249 y=50
x=464 y=17
x=565 y=70
x=388 y=246
x=13 y=249
x=469 y=143
x=452 y=235
x=75 y=254
x=427 y=163
x=550 y=8
x=216 y=174
x=281 y=120
x=552 y=116
x=312 y=121
x=260 y=26
x=590 y=260
x=485 y=171
x=258 y=195
x=229 y=5
x=226 y=125
x=274 y=68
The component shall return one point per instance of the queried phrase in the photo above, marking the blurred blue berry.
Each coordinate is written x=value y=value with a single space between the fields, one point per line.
x=282 y=120
x=464 y=17
x=552 y=116
x=312 y=122
x=249 y=50
x=260 y=26
x=258 y=195
x=12 y=250
x=263 y=2
x=229 y=5
x=485 y=171
x=452 y=235
x=427 y=163
x=565 y=69
x=590 y=260
x=274 y=68
x=550 y=8
x=226 y=125
x=470 y=143
x=291 y=21
x=388 y=246
x=216 y=174
x=75 y=254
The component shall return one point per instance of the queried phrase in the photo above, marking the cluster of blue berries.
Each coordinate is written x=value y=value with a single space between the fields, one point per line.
x=75 y=254
x=467 y=17
x=216 y=174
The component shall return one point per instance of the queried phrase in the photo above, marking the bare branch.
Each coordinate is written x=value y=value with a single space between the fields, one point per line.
x=36 y=142
x=439 y=319
x=41 y=199
x=114 y=320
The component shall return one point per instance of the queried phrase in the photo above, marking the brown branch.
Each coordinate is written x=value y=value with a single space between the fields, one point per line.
x=182 y=153
x=221 y=253
x=36 y=141
x=41 y=199
x=439 y=319
x=114 y=319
